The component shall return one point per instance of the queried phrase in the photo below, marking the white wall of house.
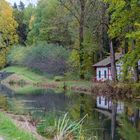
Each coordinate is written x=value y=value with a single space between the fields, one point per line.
x=103 y=73
x=101 y=76
x=104 y=103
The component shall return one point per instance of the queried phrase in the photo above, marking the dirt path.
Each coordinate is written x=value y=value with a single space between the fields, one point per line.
x=25 y=124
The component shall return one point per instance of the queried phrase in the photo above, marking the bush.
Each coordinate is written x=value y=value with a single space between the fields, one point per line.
x=62 y=127
x=17 y=55
x=44 y=57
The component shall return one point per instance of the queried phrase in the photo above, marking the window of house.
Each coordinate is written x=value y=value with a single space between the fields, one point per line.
x=105 y=101
x=99 y=100
x=99 y=74
x=105 y=75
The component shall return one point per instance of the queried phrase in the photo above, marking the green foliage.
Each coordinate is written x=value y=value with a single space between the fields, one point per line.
x=124 y=27
x=42 y=57
x=48 y=24
x=127 y=131
x=23 y=16
x=46 y=127
x=130 y=60
x=17 y=55
x=61 y=127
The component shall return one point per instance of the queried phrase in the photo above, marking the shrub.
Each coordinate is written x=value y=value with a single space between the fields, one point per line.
x=17 y=55
x=44 y=57
x=61 y=127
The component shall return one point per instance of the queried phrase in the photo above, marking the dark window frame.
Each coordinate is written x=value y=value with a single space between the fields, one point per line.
x=99 y=73
x=99 y=100
x=105 y=73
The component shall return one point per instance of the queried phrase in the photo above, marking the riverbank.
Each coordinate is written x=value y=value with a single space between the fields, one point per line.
x=25 y=80
x=10 y=130
x=32 y=80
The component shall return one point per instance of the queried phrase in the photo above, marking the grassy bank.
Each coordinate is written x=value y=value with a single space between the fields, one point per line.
x=9 y=131
x=26 y=74
x=38 y=80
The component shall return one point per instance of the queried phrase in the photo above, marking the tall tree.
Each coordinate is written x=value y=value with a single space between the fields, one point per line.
x=19 y=15
x=75 y=25
x=50 y=24
x=21 y=6
x=123 y=17
x=83 y=12
x=8 y=26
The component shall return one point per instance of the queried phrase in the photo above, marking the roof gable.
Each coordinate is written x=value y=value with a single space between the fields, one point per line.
x=106 y=61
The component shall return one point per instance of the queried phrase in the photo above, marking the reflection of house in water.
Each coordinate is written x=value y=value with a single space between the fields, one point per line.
x=104 y=103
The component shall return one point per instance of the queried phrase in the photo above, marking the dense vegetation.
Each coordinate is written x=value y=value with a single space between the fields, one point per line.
x=57 y=36
x=42 y=56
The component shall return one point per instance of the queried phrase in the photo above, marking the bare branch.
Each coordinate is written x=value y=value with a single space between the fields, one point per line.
x=76 y=17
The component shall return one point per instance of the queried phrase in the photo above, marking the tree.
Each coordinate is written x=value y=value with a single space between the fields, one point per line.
x=75 y=25
x=21 y=6
x=84 y=13
x=8 y=26
x=49 y=24
x=15 y=5
x=123 y=17
x=22 y=29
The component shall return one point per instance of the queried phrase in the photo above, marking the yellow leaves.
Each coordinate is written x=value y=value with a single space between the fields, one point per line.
x=7 y=23
x=8 y=27
x=2 y=58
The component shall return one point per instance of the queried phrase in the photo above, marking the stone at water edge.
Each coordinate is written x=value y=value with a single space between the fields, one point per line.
x=1 y=138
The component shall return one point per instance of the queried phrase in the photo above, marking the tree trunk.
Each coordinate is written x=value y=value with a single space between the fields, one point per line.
x=113 y=120
x=81 y=37
x=102 y=30
x=136 y=117
x=136 y=71
x=113 y=63
x=125 y=49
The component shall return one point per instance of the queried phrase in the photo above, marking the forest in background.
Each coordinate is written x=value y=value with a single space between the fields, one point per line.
x=66 y=37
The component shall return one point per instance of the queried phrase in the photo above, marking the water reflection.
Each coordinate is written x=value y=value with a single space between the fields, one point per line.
x=104 y=115
x=105 y=103
x=118 y=110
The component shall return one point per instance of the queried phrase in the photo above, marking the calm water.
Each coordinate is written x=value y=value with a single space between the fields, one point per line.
x=101 y=111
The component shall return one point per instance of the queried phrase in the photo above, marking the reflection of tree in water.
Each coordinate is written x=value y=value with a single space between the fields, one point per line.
x=96 y=124
x=127 y=130
x=8 y=101
x=46 y=100
x=3 y=102
x=5 y=93
x=129 y=122
x=82 y=105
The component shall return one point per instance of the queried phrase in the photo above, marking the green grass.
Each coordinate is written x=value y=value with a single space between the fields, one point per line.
x=33 y=77
x=27 y=89
x=82 y=83
x=9 y=131
x=27 y=73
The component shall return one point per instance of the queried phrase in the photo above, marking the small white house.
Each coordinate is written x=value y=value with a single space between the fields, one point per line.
x=103 y=68
x=104 y=103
